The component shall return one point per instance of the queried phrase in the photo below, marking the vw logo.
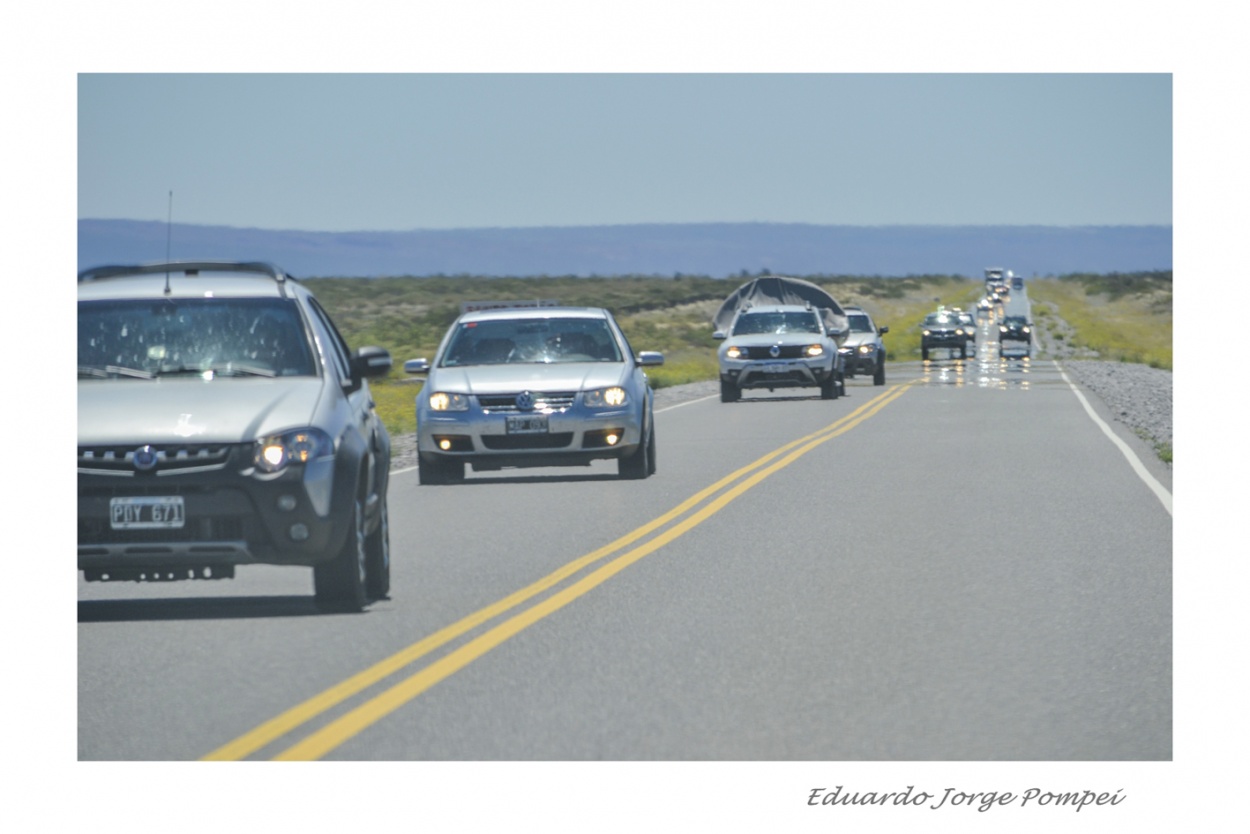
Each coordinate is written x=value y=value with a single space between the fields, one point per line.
x=145 y=458
x=525 y=401
x=774 y=351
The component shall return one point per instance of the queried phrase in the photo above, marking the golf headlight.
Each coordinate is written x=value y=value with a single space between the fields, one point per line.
x=733 y=352
x=813 y=350
x=442 y=401
x=606 y=397
x=276 y=452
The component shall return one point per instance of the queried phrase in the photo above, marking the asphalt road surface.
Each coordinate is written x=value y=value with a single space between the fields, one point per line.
x=960 y=565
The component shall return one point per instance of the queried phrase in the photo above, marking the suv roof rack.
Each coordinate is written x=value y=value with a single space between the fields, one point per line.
x=186 y=268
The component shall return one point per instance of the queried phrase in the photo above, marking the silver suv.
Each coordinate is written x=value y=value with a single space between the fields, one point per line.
x=779 y=346
x=223 y=421
x=863 y=351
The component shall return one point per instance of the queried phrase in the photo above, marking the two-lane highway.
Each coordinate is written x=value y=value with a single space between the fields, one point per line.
x=960 y=565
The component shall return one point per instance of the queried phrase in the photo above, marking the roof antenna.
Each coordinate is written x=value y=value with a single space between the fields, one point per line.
x=169 y=226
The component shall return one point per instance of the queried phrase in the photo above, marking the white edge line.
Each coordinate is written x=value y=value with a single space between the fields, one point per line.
x=657 y=411
x=1165 y=497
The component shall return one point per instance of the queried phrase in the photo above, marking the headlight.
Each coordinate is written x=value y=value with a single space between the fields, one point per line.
x=813 y=350
x=275 y=453
x=606 y=397
x=1002 y=329
x=1026 y=330
x=867 y=348
x=442 y=401
x=733 y=352
x=925 y=332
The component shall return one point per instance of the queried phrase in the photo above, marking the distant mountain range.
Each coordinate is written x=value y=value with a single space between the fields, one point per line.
x=713 y=249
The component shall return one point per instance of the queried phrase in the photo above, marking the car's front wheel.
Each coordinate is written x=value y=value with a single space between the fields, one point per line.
x=378 y=558
x=339 y=584
x=729 y=392
x=434 y=470
x=641 y=462
x=878 y=375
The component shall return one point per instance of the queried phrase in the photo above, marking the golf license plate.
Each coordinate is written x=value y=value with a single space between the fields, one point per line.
x=147 y=512
x=527 y=424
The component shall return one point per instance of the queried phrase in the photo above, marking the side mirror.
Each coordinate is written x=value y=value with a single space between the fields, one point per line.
x=650 y=358
x=881 y=331
x=417 y=366
x=366 y=363
x=720 y=334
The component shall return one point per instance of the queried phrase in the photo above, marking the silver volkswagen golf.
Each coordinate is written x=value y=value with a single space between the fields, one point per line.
x=541 y=386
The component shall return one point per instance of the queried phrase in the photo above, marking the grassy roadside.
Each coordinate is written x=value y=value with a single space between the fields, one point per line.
x=1121 y=318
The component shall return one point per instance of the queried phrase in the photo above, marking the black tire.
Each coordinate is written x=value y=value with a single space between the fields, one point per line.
x=829 y=388
x=434 y=470
x=339 y=584
x=641 y=462
x=924 y=354
x=729 y=392
x=878 y=375
x=378 y=558
x=963 y=351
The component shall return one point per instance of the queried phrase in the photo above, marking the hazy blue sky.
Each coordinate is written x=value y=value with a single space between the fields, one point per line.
x=333 y=152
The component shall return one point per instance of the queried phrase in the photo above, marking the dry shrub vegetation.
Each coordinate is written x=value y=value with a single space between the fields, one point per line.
x=1120 y=316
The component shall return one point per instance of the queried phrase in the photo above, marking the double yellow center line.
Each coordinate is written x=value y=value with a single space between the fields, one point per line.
x=695 y=510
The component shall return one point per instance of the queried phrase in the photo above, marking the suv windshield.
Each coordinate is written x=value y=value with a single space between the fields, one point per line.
x=518 y=341
x=752 y=323
x=939 y=318
x=859 y=323
x=146 y=338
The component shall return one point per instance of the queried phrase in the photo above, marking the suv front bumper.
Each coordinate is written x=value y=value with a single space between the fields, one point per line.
x=232 y=514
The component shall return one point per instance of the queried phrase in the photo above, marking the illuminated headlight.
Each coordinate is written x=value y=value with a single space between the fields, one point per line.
x=275 y=453
x=926 y=332
x=867 y=348
x=1026 y=330
x=606 y=397
x=1002 y=329
x=442 y=401
x=959 y=332
x=733 y=352
x=813 y=350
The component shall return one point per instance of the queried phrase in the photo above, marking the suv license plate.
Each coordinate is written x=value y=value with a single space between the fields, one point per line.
x=774 y=368
x=147 y=512
x=527 y=424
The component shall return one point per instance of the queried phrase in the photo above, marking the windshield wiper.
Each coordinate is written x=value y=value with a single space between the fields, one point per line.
x=226 y=369
x=112 y=370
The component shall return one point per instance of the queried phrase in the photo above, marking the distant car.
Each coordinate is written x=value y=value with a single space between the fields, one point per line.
x=863 y=352
x=526 y=387
x=1016 y=329
x=984 y=307
x=779 y=346
x=970 y=329
x=223 y=421
x=943 y=329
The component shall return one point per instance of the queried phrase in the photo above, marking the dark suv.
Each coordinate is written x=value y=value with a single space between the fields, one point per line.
x=223 y=421
x=1015 y=329
x=943 y=329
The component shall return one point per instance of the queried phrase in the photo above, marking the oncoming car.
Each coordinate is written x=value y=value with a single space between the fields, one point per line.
x=223 y=421
x=943 y=329
x=1015 y=329
x=863 y=351
x=526 y=387
x=779 y=346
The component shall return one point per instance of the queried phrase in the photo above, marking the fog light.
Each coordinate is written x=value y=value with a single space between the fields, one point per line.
x=286 y=503
x=298 y=532
x=444 y=444
x=612 y=439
